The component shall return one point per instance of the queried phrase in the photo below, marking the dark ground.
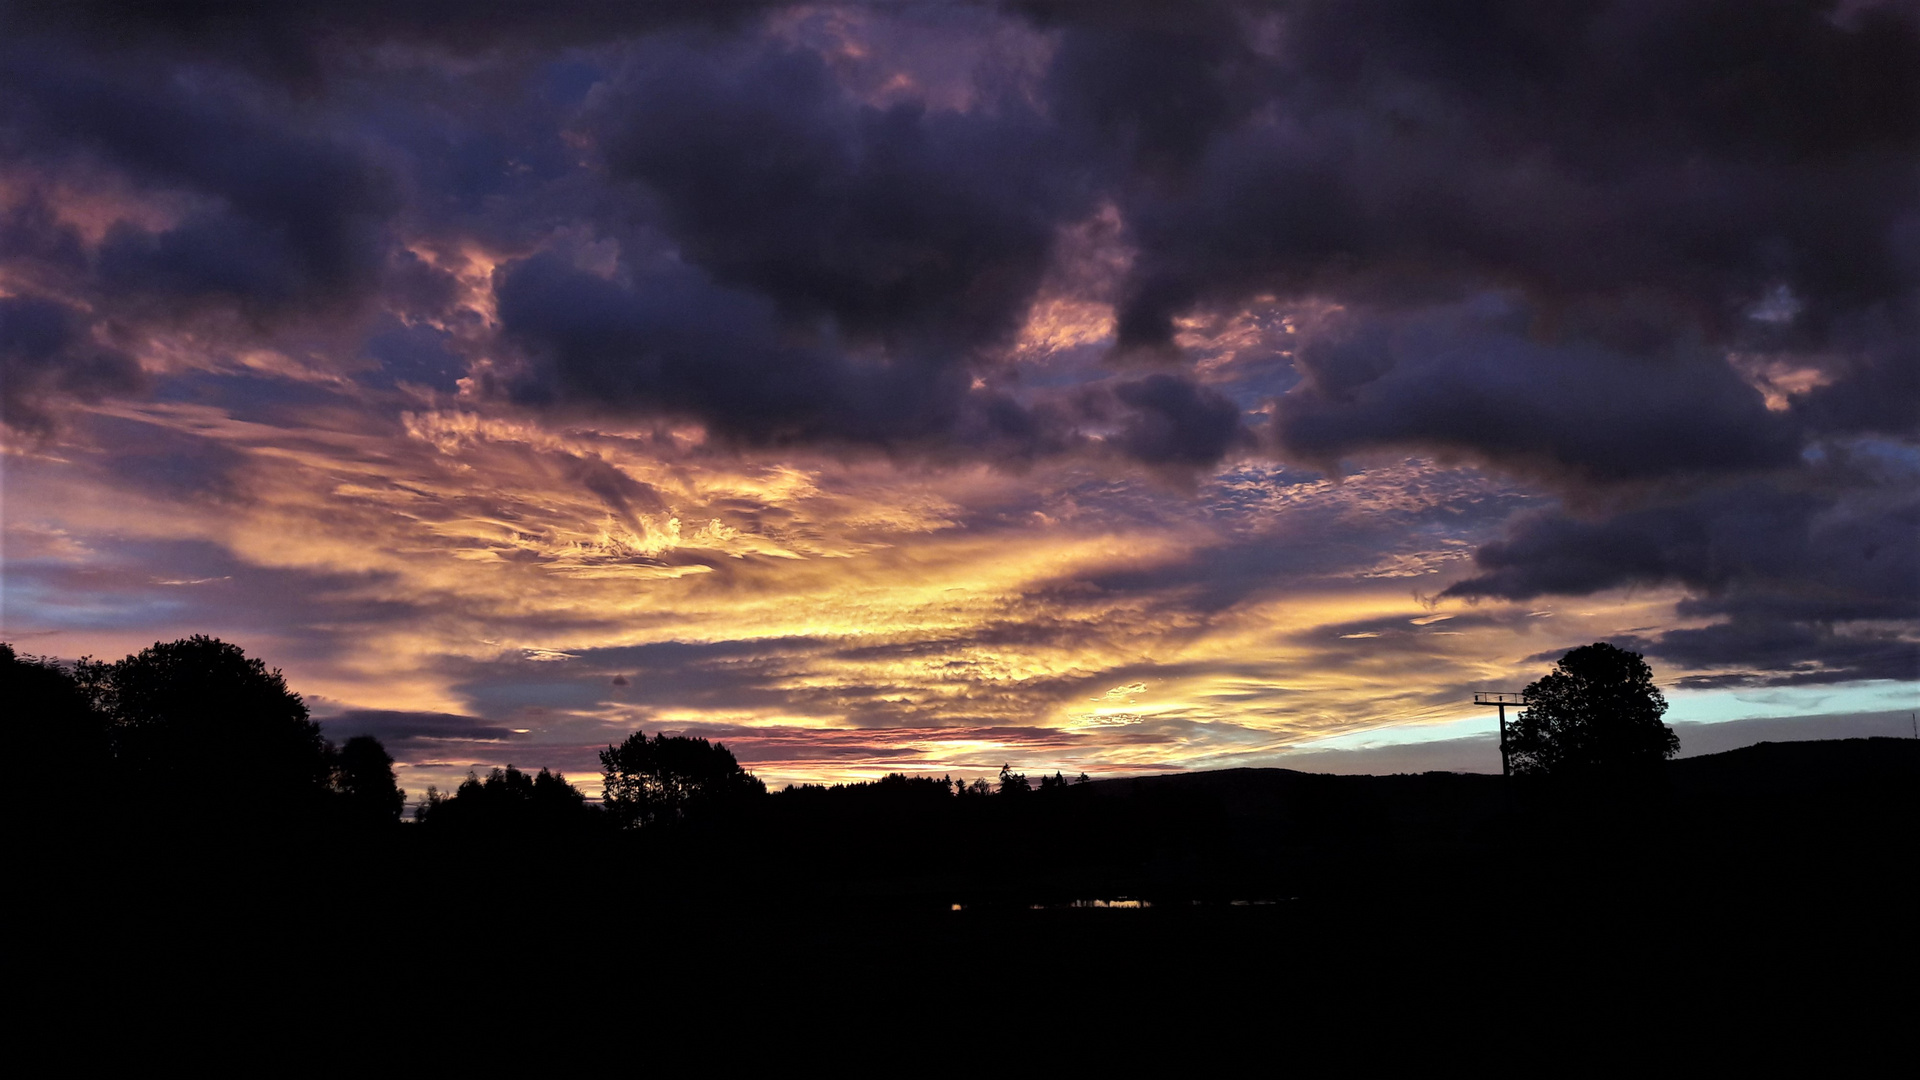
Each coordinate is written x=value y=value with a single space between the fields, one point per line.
x=1778 y=881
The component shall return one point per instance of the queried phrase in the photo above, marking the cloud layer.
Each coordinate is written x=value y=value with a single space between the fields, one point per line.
x=836 y=371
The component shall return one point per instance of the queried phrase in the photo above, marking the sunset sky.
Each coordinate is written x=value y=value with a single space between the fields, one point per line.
x=923 y=387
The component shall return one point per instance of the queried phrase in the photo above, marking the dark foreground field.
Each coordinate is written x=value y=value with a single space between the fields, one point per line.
x=1758 y=876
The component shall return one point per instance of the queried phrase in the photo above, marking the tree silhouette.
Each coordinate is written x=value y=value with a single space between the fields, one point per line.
x=192 y=727
x=1597 y=712
x=978 y=789
x=363 y=776
x=55 y=729
x=509 y=801
x=668 y=777
x=1013 y=783
x=197 y=723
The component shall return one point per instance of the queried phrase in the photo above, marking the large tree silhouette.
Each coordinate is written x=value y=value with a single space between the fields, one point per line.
x=1597 y=712
x=201 y=727
x=56 y=730
x=192 y=727
x=669 y=777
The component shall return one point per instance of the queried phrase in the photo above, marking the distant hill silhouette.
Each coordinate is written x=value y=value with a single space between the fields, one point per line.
x=1794 y=766
x=1765 y=765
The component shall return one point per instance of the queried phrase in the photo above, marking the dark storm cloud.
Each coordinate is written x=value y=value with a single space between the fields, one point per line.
x=1151 y=81
x=1700 y=151
x=1875 y=368
x=287 y=42
x=1685 y=157
x=851 y=261
x=1812 y=584
x=898 y=222
x=31 y=232
x=1469 y=381
x=670 y=342
x=1174 y=422
x=289 y=215
x=170 y=465
x=1781 y=653
x=1662 y=257
x=1646 y=189
x=1754 y=550
x=271 y=208
x=45 y=349
x=398 y=728
x=1636 y=178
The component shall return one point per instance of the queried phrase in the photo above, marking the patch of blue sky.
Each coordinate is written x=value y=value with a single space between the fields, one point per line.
x=1684 y=706
x=1409 y=733
x=27 y=605
x=1719 y=706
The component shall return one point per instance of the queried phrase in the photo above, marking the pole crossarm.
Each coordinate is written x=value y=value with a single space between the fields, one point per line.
x=1502 y=700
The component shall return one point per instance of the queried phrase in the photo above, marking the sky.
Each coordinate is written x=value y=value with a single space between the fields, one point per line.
x=927 y=387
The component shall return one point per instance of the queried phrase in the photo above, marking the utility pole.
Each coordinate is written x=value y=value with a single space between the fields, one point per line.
x=1502 y=700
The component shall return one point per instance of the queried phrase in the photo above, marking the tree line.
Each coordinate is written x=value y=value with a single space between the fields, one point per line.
x=170 y=733
x=191 y=770
x=168 y=736
x=196 y=732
